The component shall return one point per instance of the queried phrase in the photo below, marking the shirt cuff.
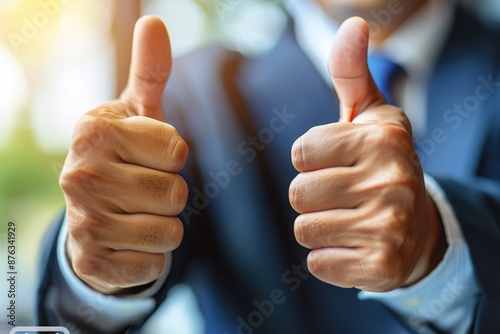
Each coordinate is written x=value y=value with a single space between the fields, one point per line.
x=447 y=296
x=116 y=311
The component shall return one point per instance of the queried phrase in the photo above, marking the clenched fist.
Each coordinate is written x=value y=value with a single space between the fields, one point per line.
x=120 y=178
x=364 y=210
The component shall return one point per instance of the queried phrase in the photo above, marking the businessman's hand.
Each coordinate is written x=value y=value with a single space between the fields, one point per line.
x=120 y=178
x=364 y=210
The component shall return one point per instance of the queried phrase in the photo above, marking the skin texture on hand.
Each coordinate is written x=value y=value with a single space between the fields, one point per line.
x=364 y=211
x=120 y=178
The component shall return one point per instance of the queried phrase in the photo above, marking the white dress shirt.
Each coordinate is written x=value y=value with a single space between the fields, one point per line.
x=446 y=297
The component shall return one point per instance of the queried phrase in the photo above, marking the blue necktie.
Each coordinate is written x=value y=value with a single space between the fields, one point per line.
x=384 y=71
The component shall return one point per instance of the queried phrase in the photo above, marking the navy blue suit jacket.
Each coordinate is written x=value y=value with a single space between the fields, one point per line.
x=240 y=117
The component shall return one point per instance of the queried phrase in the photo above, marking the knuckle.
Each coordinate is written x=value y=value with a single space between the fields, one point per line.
x=149 y=268
x=151 y=233
x=179 y=194
x=87 y=267
x=399 y=135
x=379 y=135
x=153 y=270
x=303 y=231
x=304 y=148
x=80 y=179
x=399 y=217
x=298 y=154
x=167 y=236
x=397 y=187
x=389 y=270
x=297 y=194
x=410 y=183
x=180 y=152
x=399 y=207
x=380 y=267
x=404 y=121
x=175 y=233
x=388 y=135
x=404 y=174
x=87 y=232
x=65 y=180
x=314 y=264
x=391 y=231
x=157 y=182
x=91 y=132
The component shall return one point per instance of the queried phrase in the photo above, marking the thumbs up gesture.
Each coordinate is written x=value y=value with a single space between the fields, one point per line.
x=120 y=178
x=364 y=211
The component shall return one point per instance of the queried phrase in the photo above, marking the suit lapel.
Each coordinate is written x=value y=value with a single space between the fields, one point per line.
x=286 y=80
x=459 y=102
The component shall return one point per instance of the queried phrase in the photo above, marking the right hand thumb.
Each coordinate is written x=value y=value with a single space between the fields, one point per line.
x=149 y=69
x=348 y=67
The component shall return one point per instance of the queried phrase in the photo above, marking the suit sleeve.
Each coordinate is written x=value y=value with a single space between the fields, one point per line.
x=476 y=203
x=64 y=300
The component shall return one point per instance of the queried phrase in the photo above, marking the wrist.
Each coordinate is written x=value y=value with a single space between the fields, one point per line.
x=116 y=291
x=435 y=244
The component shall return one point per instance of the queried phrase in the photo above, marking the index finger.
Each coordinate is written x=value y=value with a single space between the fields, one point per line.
x=150 y=143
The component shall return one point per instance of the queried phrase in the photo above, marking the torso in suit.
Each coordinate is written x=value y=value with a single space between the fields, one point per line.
x=241 y=116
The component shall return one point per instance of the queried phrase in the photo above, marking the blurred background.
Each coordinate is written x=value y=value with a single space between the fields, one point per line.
x=61 y=58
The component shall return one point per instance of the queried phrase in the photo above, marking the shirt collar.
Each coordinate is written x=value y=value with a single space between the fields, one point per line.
x=426 y=30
